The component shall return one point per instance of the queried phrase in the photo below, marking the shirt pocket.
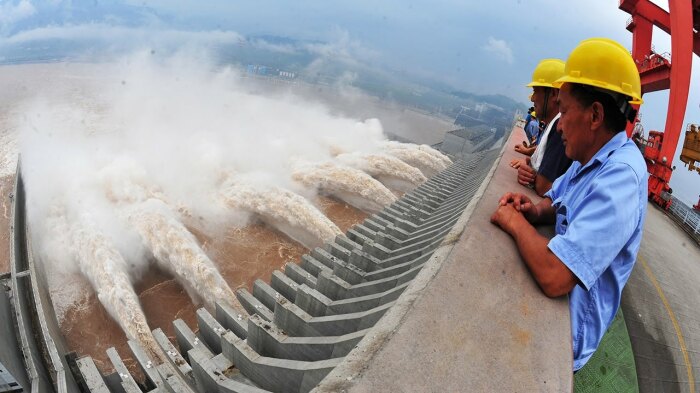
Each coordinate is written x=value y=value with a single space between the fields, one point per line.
x=562 y=219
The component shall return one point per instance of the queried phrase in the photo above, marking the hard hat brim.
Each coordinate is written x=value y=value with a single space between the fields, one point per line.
x=602 y=85
x=540 y=84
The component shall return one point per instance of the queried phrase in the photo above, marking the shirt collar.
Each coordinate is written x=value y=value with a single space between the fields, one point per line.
x=602 y=155
x=551 y=123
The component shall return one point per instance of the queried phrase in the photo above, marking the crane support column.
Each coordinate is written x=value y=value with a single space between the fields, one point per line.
x=681 y=13
x=658 y=72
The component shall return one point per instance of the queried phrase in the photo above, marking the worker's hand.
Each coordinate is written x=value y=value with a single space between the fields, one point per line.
x=521 y=203
x=526 y=174
x=520 y=149
x=515 y=163
x=504 y=217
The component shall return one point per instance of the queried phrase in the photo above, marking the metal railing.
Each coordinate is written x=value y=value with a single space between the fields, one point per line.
x=688 y=217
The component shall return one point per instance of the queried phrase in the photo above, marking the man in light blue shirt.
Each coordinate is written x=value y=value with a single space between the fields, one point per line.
x=598 y=206
x=600 y=209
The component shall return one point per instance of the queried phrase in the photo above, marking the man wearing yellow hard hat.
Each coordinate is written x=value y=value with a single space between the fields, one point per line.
x=598 y=205
x=532 y=129
x=548 y=160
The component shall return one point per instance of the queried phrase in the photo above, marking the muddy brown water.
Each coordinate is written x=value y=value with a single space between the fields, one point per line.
x=242 y=255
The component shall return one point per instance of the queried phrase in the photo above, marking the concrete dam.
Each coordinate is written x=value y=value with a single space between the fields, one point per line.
x=287 y=334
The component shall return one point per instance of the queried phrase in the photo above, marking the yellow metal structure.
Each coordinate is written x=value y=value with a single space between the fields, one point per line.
x=690 y=155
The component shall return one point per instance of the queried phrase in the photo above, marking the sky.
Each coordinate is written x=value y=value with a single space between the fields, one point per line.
x=485 y=47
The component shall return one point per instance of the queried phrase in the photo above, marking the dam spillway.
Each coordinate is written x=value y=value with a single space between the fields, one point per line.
x=450 y=320
x=301 y=324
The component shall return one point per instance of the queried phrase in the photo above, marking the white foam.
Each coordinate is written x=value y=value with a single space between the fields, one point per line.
x=178 y=252
x=382 y=166
x=349 y=184
x=283 y=209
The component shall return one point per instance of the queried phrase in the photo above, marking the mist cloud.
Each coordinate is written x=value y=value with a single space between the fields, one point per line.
x=500 y=49
x=107 y=33
x=172 y=129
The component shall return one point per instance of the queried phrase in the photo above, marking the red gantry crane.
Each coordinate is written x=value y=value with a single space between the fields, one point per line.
x=661 y=72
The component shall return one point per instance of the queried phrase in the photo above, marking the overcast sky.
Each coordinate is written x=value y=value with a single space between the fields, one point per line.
x=479 y=46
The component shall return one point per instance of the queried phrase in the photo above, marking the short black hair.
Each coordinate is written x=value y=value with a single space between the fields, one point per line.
x=586 y=96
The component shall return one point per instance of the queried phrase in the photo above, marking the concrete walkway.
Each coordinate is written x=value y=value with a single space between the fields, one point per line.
x=661 y=304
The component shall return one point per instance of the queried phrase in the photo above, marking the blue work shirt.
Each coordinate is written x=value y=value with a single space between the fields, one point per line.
x=600 y=209
x=532 y=129
x=554 y=161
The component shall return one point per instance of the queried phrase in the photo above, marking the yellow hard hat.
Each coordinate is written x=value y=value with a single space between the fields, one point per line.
x=605 y=64
x=533 y=114
x=546 y=72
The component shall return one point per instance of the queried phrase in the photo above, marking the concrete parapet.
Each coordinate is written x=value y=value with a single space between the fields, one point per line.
x=297 y=322
x=92 y=378
x=284 y=285
x=213 y=374
x=279 y=375
x=348 y=272
x=252 y=305
x=268 y=340
x=332 y=286
x=210 y=330
x=265 y=293
x=339 y=251
x=146 y=364
x=172 y=382
x=232 y=320
x=186 y=339
x=174 y=357
x=299 y=275
x=312 y=301
x=313 y=265
x=346 y=242
x=125 y=380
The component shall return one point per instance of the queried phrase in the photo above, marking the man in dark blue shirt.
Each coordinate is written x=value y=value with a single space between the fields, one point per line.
x=548 y=160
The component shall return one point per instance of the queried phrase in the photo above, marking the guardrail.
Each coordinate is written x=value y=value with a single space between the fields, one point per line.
x=686 y=216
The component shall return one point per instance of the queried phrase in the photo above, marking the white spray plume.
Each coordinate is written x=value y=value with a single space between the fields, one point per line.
x=107 y=271
x=346 y=183
x=423 y=157
x=435 y=153
x=282 y=209
x=390 y=171
x=177 y=251
x=172 y=245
